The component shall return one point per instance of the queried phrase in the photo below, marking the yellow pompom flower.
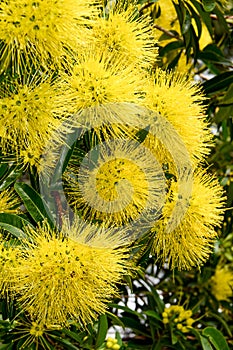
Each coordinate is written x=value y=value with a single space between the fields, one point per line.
x=9 y=260
x=222 y=283
x=101 y=89
x=67 y=276
x=9 y=203
x=180 y=101
x=38 y=30
x=31 y=333
x=124 y=33
x=27 y=117
x=121 y=183
x=191 y=242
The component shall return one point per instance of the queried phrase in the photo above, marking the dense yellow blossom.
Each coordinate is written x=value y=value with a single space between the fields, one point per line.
x=27 y=117
x=9 y=203
x=126 y=34
x=98 y=78
x=191 y=242
x=179 y=100
x=222 y=283
x=31 y=333
x=60 y=278
x=9 y=260
x=38 y=30
x=122 y=183
x=101 y=89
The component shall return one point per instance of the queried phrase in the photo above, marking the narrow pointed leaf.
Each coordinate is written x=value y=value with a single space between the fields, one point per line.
x=33 y=203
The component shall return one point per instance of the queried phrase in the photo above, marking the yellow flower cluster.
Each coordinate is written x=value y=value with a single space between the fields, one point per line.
x=30 y=332
x=57 y=278
x=8 y=202
x=189 y=244
x=38 y=30
x=9 y=260
x=70 y=64
x=222 y=283
x=112 y=343
x=126 y=180
x=178 y=317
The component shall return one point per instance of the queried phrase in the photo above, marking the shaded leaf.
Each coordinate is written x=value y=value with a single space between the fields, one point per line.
x=153 y=314
x=205 y=343
x=9 y=176
x=14 y=224
x=33 y=202
x=222 y=81
x=102 y=330
x=208 y=5
x=216 y=338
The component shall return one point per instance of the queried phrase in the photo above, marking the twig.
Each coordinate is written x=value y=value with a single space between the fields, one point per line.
x=172 y=35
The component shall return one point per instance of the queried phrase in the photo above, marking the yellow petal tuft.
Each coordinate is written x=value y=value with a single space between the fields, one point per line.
x=60 y=278
x=27 y=116
x=124 y=33
x=9 y=203
x=191 y=243
x=116 y=184
x=222 y=283
x=180 y=101
x=37 y=30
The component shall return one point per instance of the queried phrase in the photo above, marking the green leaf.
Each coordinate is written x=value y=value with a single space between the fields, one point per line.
x=221 y=20
x=186 y=23
x=205 y=343
x=174 y=338
x=33 y=202
x=142 y=134
x=223 y=113
x=72 y=335
x=64 y=156
x=118 y=337
x=14 y=224
x=196 y=18
x=174 y=45
x=157 y=299
x=194 y=43
x=3 y=169
x=64 y=342
x=136 y=326
x=153 y=314
x=175 y=61
x=115 y=319
x=222 y=81
x=208 y=5
x=9 y=176
x=228 y=97
x=216 y=338
x=222 y=321
x=214 y=55
x=126 y=309
x=102 y=330
x=204 y=16
x=6 y=346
